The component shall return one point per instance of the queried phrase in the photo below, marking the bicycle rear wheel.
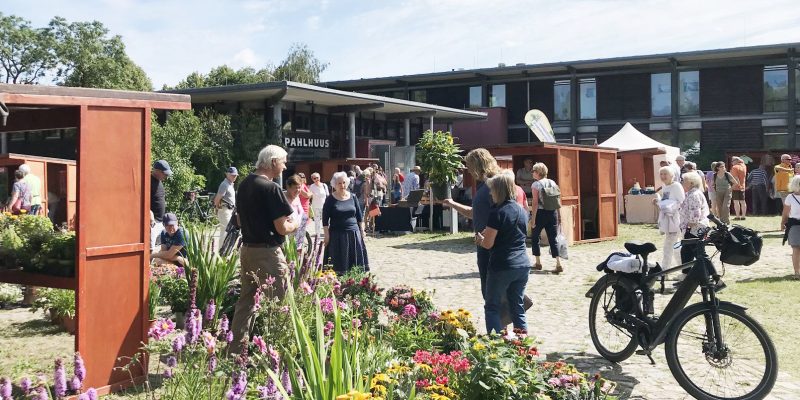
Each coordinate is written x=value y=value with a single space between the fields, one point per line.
x=229 y=244
x=744 y=368
x=613 y=342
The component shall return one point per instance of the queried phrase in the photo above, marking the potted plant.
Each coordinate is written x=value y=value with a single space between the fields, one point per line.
x=440 y=159
x=175 y=292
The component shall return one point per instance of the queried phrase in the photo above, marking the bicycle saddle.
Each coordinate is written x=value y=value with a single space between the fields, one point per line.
x=639 y=248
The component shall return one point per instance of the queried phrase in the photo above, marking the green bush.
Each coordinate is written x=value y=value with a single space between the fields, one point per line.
x=175 y=293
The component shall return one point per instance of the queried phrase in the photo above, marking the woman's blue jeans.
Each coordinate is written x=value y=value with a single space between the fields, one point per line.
x=508 y=284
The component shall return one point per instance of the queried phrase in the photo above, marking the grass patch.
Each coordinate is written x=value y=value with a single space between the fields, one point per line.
x=774 y=302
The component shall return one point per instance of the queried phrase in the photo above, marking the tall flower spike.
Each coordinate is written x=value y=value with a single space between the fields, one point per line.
x=5 y=389
x=80 y=367
x=75 y=384
x=26 y=385
x=59 y=380
x=193 y=289
x=41 y=393
x=224 y=325
x=211 y=310
x=286 y=382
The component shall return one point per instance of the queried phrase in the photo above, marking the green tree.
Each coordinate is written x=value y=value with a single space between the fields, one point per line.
x=301 y=65
x=224 y=76
x=215 y=151
x=91 y=58
x=176 y=141
x=27 y=54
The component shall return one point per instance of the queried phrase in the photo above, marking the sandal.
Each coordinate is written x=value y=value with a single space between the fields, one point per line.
x=536 y=267
x=558 y=269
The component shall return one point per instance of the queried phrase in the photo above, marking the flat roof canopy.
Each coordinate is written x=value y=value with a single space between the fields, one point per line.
x=22 y=97
x=337 y=101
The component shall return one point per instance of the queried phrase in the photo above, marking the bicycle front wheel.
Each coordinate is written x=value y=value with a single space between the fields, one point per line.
x=743 y=365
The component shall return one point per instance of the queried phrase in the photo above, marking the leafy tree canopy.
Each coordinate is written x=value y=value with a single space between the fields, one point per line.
x=68 y=53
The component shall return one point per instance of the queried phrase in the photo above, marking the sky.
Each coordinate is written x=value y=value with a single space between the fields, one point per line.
x=363 y=39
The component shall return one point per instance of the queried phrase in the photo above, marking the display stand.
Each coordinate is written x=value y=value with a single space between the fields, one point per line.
x=113 y=216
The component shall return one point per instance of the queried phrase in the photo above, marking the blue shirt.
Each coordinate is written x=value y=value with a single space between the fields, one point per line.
x=178 y=239
x=342 y=215
x=481 y=205
x=511 y=223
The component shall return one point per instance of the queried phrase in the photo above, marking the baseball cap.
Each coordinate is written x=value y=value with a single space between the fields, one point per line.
x=232 y=171
x=170 y=219
x=163 y=165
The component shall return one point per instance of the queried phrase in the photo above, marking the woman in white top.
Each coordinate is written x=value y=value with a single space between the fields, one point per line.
x=319 y=192
x=791 y=222
x=669 y=221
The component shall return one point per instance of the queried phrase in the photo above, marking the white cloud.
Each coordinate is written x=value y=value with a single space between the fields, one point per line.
x=313 y=22
x=245 y=58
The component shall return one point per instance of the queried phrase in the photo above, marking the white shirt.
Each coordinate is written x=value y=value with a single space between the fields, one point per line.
x=793 y=201
x=319 y=192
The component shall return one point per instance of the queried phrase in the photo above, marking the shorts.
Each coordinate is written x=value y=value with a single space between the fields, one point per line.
x=794 y=236
x=737 y=195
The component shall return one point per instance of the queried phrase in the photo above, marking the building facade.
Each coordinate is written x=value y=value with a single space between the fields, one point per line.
x=724 y=100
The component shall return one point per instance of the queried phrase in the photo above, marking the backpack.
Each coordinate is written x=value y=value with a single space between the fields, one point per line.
x=551 y=196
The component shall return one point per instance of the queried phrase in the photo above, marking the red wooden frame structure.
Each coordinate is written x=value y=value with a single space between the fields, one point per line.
x=46 y=168
x=587 y=176
x=113 y=204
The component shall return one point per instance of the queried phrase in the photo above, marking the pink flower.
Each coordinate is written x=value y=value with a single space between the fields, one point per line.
x=356 y=323
x=210 y=341
x=328 y=329
x=326 y=305
x=161 y=329
x=259 y=342
x=410 y=311
x=306 y=287
x=442 y=380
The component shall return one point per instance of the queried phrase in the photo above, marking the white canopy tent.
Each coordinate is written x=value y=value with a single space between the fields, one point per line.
x=631 y=139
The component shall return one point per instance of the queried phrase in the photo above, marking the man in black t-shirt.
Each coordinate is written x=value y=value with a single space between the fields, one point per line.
x=265 y=218
x=158 y=199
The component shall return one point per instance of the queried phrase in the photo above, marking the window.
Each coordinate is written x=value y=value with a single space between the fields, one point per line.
x=660 y=95
x=302 y=122
x=320 y=123
x=776 y=88
x=588 y=100
x=497 y=96
x=475 y=96
x=399 y=94
x=561 y=101
x=419 y=96
x=689 y=86
x=775 y=138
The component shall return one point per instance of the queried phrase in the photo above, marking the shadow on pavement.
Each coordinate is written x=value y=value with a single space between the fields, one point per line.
x=454 y=245
x=463 y=275
x=770 y=279
x=592 y=364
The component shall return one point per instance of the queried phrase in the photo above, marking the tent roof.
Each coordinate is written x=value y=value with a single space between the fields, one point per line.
x=629 y=138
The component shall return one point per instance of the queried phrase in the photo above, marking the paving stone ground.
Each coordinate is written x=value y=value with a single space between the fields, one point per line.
x=559 y=316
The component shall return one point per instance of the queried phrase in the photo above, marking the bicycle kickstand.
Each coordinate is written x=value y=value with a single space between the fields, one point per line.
x=649 y=355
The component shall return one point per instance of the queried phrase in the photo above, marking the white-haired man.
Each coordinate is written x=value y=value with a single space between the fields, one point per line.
x=225 y=202
x=265 y=218
x=35 y=186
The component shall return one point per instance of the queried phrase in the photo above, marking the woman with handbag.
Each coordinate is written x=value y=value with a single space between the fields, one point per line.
x=544 y=219
x=791 y=222
x=504 y=237
x=20 y=195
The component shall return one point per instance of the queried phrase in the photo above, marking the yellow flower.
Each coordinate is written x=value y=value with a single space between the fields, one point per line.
x=23 y=211
x=425 y=367
x=493 y=356
x=7 y=214
x=478 y=346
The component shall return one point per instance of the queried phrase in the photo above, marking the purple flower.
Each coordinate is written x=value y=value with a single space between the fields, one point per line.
x=172 y=361
x=409 y=311
x=356 y=323
x=554 y=382
x=269 y=281
x=239 y=386
x=5 y=389
x=159 y=330
x=257 y=299
x=284 y=310
x=193 y=289
x=211 y=310
x=306 y=287
x=193 y=326
x=90 y=394
x=180 y=272
x=25 y=385
x=80 y=367
x=328 y=329
x=269 y=392
x=75 y=384
x=168 y=373
x=326 y=305
x=286 y=383
x=178 y=343
x=59 y=380
x=212 y=363
x=275 y=358
x=229 y=336
x=41 y=393
x=224 y=324
x=259 y=342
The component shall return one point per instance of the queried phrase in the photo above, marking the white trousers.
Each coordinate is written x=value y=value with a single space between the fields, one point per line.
x=670 y=253
x=224 y=215
x=318 y=221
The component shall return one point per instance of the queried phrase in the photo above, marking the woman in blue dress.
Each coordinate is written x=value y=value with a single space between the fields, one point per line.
x=343 y=222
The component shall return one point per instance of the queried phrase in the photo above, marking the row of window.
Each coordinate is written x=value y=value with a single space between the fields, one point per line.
x=776 y=89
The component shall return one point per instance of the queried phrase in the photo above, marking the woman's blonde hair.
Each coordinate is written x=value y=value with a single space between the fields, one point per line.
x=694 y=180
x=794 y=184
x=481 y=164
x=541 y=169
x=668 y=170
x=502 y=186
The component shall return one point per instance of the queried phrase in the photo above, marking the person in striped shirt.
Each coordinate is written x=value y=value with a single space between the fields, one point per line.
x=758 y=181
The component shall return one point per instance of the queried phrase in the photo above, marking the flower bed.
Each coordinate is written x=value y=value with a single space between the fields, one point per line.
x=343 y=337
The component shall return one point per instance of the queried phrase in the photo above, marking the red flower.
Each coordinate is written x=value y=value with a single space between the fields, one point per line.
x=423 y=383
x=442 y=380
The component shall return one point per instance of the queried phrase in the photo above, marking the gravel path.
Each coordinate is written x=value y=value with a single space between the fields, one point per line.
x=559 y=314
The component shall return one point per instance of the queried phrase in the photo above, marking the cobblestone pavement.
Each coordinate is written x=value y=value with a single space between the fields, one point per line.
x=559 y=314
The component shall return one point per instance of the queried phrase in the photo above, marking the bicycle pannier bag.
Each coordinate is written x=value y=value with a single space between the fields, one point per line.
x=551 y=196
x=741 y=247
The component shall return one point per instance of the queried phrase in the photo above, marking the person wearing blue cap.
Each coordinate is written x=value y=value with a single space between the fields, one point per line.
x=173 y=243
x=158 y=199
x=225 y=202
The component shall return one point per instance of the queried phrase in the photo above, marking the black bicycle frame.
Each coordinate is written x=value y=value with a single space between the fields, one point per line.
x=699 y=276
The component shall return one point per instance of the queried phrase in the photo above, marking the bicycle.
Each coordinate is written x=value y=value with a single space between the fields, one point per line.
x=713 y=348
x=199 y=207
x=233 y=238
